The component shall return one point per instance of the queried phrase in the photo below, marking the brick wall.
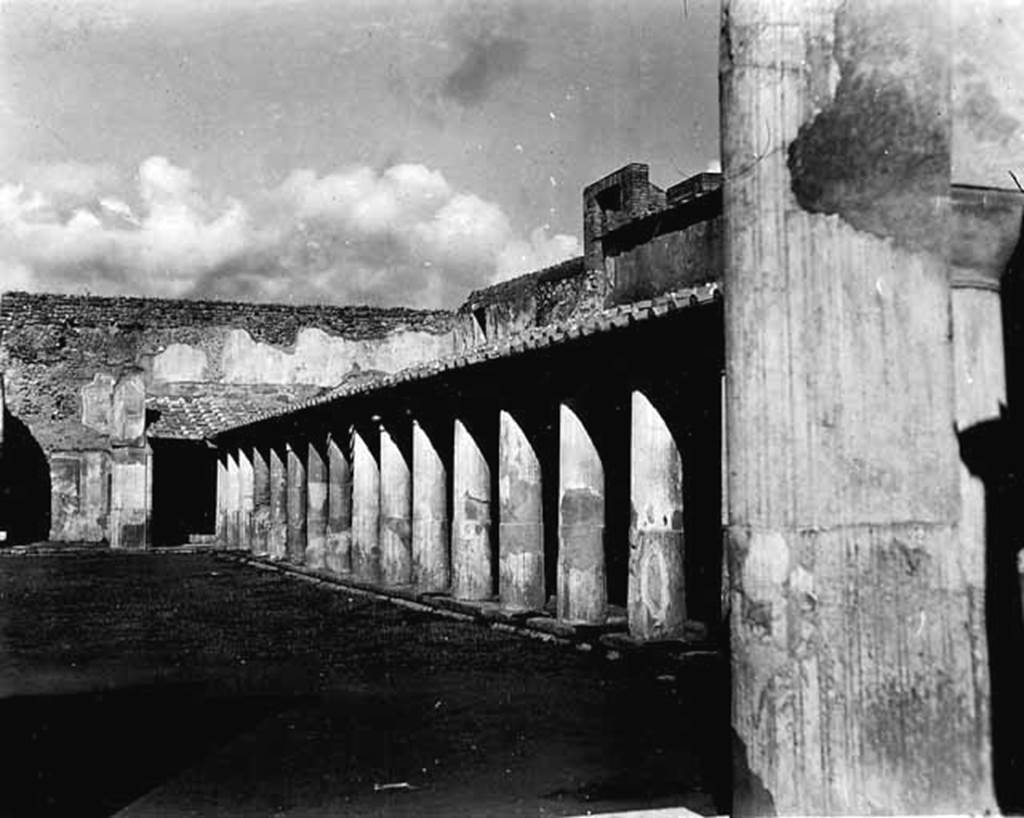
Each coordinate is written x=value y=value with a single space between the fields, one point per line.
x=52 y=346
x=552 y=295
x=272 y=323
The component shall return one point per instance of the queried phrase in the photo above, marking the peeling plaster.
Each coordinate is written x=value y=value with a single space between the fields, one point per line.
x=878 y=154
x=98 y=403
x=988 y=99
x=325 y=360
x=180 y=362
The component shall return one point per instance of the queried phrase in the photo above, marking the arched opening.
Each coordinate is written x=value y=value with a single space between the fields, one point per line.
x=24 y=485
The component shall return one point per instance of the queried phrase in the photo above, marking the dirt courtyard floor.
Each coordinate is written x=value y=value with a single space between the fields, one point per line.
x=195 y=685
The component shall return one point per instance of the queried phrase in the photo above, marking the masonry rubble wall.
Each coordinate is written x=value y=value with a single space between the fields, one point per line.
x=62 y=356
x=639 y=242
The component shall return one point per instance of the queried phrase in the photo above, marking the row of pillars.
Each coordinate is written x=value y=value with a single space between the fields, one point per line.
x=375 y=505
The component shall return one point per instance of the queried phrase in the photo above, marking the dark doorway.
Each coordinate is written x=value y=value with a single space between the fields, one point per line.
x=184 y=490
x=24 y=485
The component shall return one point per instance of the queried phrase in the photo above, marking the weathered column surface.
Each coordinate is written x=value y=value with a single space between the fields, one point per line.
x=316 y=508
x=131 y=473
x=657 y=546
x=366 y=564
x=858 y=661
x=246 y=485
x=277 y=539
x=430 y=535
x=986 y=231
x=339 y=508
x=472 y=562
x=395 y=512
x=296 y=509
x=582 y=584
x=221 y=522
x=521 y=524
x=233 y=538
x=260 y=501
x=129 y=497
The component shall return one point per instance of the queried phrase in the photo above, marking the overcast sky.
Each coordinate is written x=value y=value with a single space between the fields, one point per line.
x=350 y=151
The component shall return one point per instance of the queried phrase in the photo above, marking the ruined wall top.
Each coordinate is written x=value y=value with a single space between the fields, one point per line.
x=639 y=241
x=271 y=323
x=63 y=354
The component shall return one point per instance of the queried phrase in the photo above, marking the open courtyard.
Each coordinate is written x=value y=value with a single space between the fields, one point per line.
x=182 y=684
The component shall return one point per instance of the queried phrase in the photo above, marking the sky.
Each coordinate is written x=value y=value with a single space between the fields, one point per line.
x=332 y=151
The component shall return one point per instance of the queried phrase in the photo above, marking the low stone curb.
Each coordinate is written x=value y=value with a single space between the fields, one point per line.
x=102 y=550
x=609 y=641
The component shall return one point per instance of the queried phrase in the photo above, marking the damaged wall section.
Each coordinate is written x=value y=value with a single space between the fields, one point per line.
x=63 y=357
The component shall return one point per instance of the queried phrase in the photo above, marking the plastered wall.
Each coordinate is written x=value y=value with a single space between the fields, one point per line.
x=64 y=356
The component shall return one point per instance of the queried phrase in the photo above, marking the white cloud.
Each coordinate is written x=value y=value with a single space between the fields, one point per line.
x=75 y=182
x=538 y=252
x=354 y=236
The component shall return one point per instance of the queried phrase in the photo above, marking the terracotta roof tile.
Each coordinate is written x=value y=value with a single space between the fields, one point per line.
x=536 y=338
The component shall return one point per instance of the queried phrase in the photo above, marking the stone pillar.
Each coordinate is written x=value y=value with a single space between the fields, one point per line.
x=430 y=534
x=296 y=509
x=521 y=524
x=246 y=485
x=316 y=508
x=657 y=581
x=988 y=408
x=128 y=497
x=339 y=508
x=395 y=524
x=858 y=664
x=222 y=498
x=582 y=586
x=987 y=226
x=472 y=561
x=277 y=540
x=260 y=501
x=232 y=539
x=130 y=468
x=366 y=565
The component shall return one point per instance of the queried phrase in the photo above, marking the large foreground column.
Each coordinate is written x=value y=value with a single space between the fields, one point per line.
x=278 y=537
x=657 y=581
x=430 y=534
x=316 y=508
x=582 y=584
x=472 y=562
x=339 y=508
x=858 y=664
x=521 y=525
x=296 y=509
x=260 y=502
x=395 y=512
x=365 y=510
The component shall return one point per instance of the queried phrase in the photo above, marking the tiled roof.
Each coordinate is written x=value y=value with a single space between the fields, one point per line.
x=537 y=338
x=196 y=416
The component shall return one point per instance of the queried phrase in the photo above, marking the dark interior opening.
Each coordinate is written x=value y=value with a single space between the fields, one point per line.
x=614 y=449
x=184 y=490
x=24 y=485
x=610 y=199
x=480 y=317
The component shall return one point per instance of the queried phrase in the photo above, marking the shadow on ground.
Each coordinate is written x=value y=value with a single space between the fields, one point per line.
x=89 y=754
x=186 y=684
